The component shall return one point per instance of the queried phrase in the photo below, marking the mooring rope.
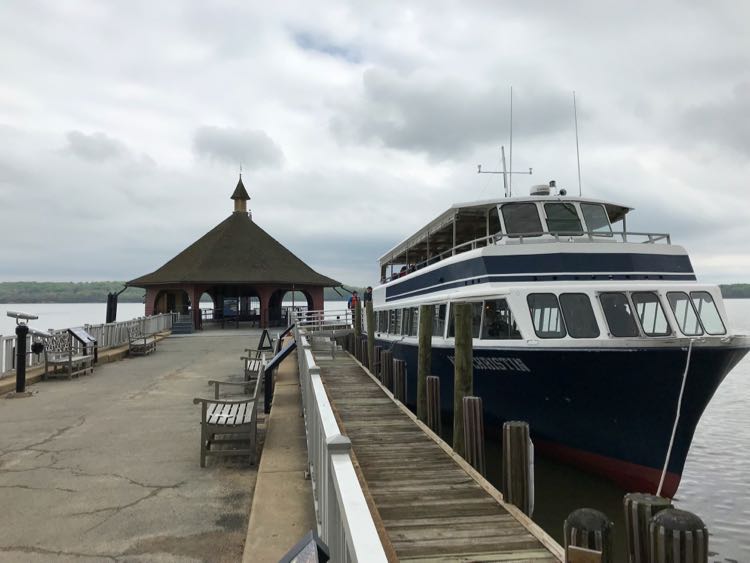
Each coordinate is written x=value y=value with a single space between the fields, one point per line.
x=676 y=419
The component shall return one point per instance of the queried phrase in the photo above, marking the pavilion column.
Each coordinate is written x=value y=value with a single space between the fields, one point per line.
x=195 y=292
x=151 y=294
x=316 y=294
x=264 y=295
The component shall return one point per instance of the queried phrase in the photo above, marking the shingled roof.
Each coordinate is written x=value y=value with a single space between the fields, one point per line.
x=236 y=251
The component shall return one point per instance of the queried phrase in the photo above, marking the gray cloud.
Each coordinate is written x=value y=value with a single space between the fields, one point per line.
x=252 y=149
x=724 y=121
x=446 y=117
x=95 y=147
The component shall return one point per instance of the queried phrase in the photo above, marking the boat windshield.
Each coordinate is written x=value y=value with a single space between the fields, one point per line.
x=562 y=218
x=619 y=314
x=596 y=218
x=521 y=219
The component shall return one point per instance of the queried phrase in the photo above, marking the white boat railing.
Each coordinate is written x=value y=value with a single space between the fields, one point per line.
x=526 y=238
x=108 y=335
x=344 y=520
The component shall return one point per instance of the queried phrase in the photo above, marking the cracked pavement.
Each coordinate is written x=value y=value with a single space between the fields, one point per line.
x=105 y=467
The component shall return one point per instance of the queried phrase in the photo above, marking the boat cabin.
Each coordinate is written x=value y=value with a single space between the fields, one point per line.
x=540 y=217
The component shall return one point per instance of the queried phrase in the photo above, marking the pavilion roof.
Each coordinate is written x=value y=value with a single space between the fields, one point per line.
x=236 y=251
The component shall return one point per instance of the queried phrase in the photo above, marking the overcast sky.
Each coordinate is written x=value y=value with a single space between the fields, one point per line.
x=123 y=124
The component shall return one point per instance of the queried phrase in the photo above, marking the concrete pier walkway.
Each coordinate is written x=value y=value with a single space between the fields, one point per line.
x=106 y=467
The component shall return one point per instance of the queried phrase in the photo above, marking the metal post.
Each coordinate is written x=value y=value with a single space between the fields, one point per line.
x=22 y=332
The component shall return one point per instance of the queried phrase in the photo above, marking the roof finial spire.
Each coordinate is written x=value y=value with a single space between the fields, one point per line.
x=240 y=196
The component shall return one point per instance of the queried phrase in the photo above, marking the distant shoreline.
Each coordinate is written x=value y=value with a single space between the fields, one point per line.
x=88 y=292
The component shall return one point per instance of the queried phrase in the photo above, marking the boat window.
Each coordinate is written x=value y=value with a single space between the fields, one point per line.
x=499 y=323
x=563 y=218
x=685 y=313
x=619 y=315
x=596 y=218
x=579 y=315
x=545 y=314
x=476 y=319
x=438 y=320
x=394 y=324
x=405 y=321
x=414 y=322
x=650 y=313
x=707 y=312
x=494 y=222
x=521 y=219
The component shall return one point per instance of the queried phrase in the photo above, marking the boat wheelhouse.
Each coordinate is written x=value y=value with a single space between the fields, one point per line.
x=580 y=327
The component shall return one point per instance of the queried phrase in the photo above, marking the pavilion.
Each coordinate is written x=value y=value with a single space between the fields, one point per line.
x=244 y=270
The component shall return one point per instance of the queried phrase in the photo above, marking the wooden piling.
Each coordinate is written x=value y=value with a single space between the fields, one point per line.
x=425 y=358
x=588 y=529
x=639 y=509
x=433 y=403
x=358 y=332
x=463 y=373
x=474 y=433
x=370 y=320
x=399 y=380
x=678 y=536
x=375 y=368
x=518 y=466
x=386 y=372
x=363 y=351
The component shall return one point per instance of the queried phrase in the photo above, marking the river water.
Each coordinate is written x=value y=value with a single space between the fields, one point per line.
x=715 y=483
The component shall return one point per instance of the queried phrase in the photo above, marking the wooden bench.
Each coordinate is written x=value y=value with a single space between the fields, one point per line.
x=61 y=359
x=235 y=420
x=253 y=360
x=138 y=343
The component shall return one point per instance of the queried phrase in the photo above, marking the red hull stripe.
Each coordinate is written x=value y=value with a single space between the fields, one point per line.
x=630 y=476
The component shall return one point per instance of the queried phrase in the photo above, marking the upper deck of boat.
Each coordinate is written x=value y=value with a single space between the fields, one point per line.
x=546 y=218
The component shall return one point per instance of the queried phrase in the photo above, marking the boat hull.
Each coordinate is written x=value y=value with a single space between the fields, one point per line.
x=609 y=411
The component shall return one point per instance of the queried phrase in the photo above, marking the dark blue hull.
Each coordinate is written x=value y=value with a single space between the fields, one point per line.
x=607 y=410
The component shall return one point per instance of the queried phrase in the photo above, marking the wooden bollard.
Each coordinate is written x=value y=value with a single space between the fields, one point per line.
x=433 y=403
x=678 y=536
x=639 y=509
x=474 y=433
x=370 y=323
x=463 y=371
x=399 y=380
x=588 y=529
x=425 y=358
x=518 y=466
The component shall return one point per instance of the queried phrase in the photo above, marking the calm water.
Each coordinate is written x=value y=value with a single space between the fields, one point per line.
x=715 y=484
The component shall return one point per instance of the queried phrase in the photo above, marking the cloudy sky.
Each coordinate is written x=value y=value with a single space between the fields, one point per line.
x=123 y=125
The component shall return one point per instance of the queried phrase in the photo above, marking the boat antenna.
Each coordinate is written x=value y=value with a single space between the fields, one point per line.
x=510 y=184
x=578 y=152
x=507 y=174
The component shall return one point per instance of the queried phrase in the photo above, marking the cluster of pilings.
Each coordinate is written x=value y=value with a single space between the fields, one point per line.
x=656 y=531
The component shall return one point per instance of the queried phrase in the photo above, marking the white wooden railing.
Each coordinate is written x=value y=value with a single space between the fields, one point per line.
x=109 y=335
x=344 y=520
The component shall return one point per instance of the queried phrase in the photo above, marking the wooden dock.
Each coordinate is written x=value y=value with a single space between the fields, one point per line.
x=428 y=504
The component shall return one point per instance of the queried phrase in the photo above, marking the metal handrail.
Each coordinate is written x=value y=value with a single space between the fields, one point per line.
x=344 y=520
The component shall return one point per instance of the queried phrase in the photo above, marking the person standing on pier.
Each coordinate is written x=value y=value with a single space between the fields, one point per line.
x=368 y=294
x=354 y=301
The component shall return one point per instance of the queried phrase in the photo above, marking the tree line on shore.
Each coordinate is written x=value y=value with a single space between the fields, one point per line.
x=91 y=292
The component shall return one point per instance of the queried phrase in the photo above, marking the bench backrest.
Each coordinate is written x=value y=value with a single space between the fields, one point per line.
x=134 y=331
x=59 y=343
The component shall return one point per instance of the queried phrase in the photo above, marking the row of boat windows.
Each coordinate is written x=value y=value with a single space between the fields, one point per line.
x=525 y=218
x=628 y=314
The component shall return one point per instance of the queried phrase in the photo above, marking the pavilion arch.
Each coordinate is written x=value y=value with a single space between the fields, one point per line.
x=276 y=310
x=170 y=301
